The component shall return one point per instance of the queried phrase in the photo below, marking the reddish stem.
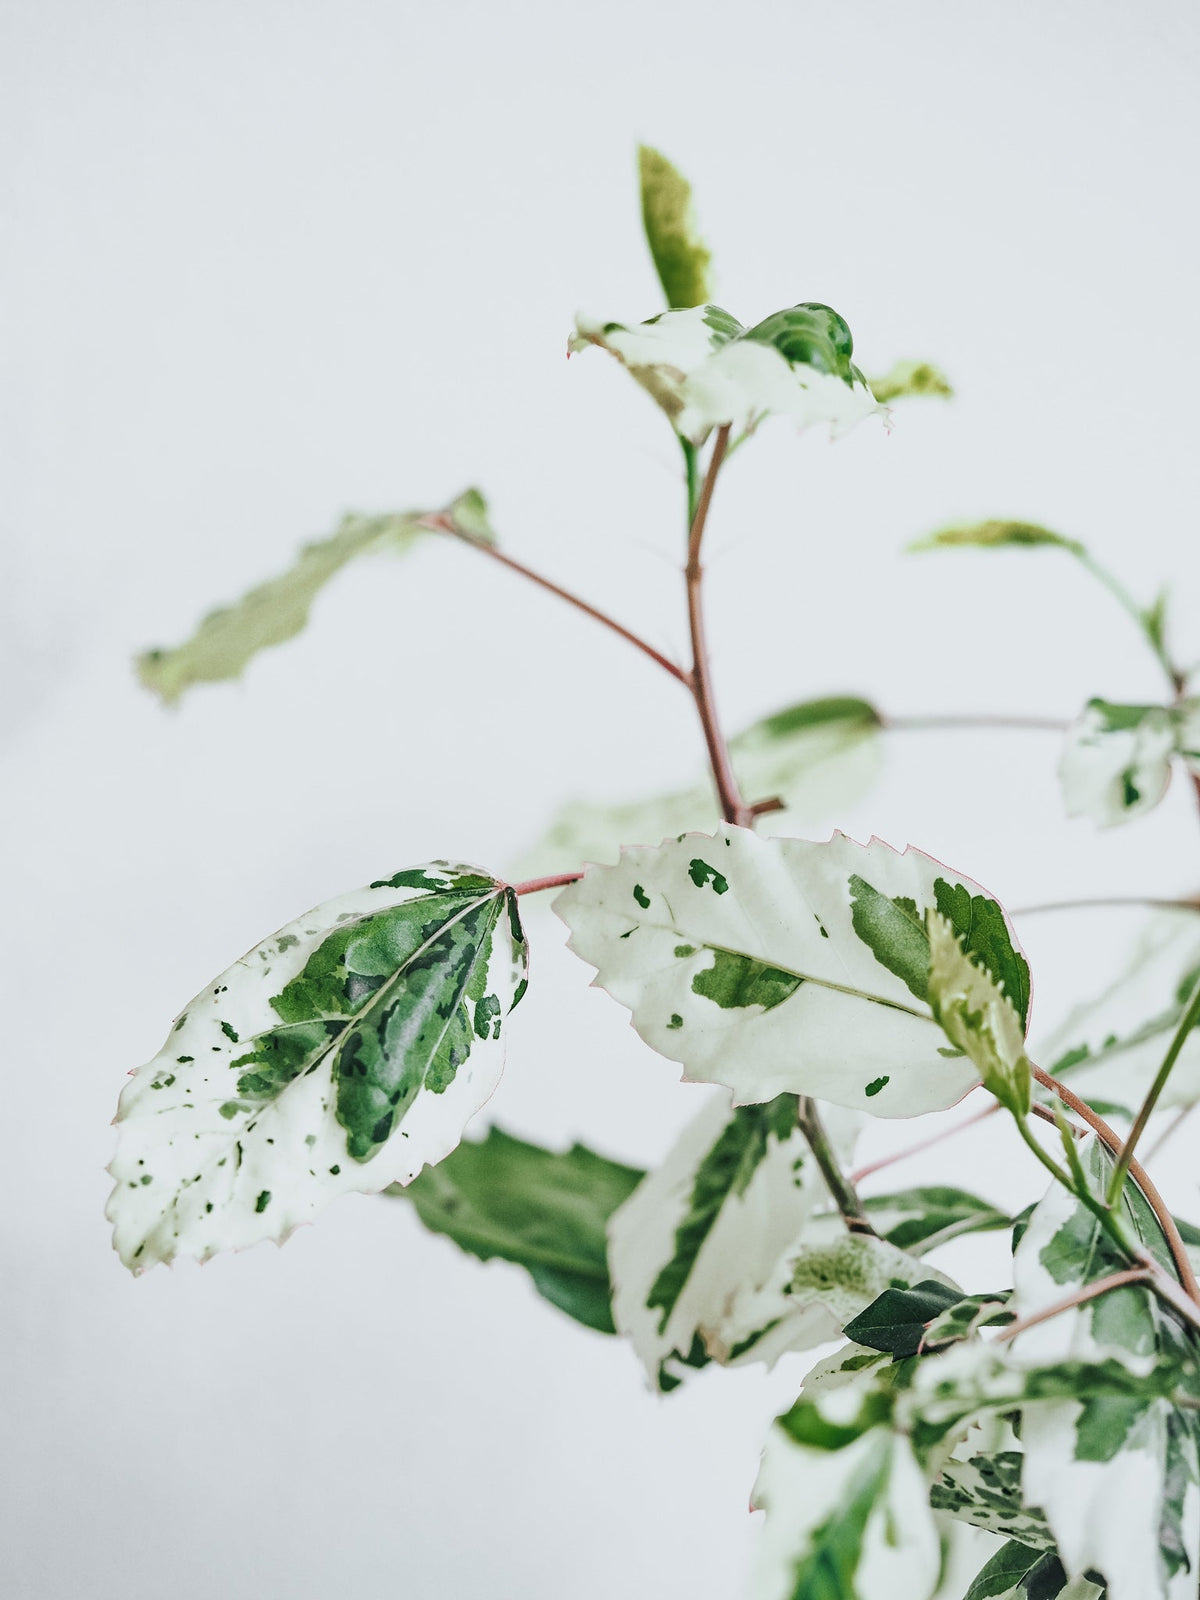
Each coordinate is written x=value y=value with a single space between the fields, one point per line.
x=733 y=807
x=555 y=881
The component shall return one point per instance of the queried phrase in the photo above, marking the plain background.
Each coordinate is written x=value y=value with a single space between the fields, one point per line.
x=265 y=262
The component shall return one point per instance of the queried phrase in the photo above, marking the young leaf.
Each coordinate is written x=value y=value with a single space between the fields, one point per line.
x=545 y=1210
x=1116 y=761
x=680 y=259
x=906 y=378
x=338 y=1056
x=818 y=757
x=977 y=1016
x=705 y=370
x=278 y=609
x=993 y=534
x=922 y=1218
x=781 y=966
x=847 y=1514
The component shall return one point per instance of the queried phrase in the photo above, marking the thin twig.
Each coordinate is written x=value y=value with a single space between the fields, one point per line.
x=443 y=524
x=1137 y=1172
x=555 y=881
x=1186 y=1023
x=916 y=1149
x=845 y=1196
x=1086 y=1292
x=733 y=807
x=966 y=719
x=1153 y=902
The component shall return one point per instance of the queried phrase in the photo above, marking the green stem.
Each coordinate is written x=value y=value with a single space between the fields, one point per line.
x=1186 y=1023
x=692 y=466
x=845 y=1196
x=1125 y=600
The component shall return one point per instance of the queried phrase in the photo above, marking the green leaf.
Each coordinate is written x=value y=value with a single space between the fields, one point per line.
x=983 y=1489
x=994 y=534
x=978 y=1017
x=818 y=757
x=906 y=378
x=545 y=1210
x=278 y=610
x=896 y=1320
x=338 y=1056
x=1116 y=760
x=680 y=259
x=1002 y=1577
x=931 y=1215
x=850 y=1031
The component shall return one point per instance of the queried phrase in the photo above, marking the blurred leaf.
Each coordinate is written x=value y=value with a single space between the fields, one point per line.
x=278 y=610
x=544 y=1210
x=906 y=378
x=680 y=259
x=991 y=535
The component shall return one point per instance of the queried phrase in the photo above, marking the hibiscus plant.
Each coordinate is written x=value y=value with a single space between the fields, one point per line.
x=1049 y=1428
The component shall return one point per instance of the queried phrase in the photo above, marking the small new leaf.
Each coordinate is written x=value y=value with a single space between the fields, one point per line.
x=907 y=378
x=338 y=1056
x=546 y=1210
x=977 y=1017
x=680 y=259
x=897 y=1319
x=993 y=535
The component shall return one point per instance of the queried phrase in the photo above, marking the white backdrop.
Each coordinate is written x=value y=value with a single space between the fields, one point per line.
x=268 y=261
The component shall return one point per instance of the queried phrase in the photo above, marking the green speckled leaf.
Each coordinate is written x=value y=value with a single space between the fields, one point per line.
x=338 y=1056
x=545 y=1210
x=821 y=1010
x=680 y=259
x=278 y=610
x=1116 y=760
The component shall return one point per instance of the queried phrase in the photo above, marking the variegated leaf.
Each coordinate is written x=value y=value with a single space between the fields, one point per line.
x=1118 y=1479
x=977 y=1016
x=781 y=966
x=1017 y=1572
x=847 y=1506
x=278 y=610
x=680 y=259
x=731 y=1249
x=705 y=370
x=818 y=757
x=1116 y=761
x=930 y=1215
x=1110 y=1046
x=339 y=1056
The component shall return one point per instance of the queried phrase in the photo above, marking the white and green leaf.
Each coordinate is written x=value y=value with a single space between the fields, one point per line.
x=847 y=1506
x=502 y=1198
x=781 y=966
x=1116 y=761
x=1111 y=1045
x=706 y=370
x=977 y=1016
x=227 y=639
x=818 y=757
x=680 y=258
x=1117 y=1477
x=922 y=1218
x=339 y=1056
